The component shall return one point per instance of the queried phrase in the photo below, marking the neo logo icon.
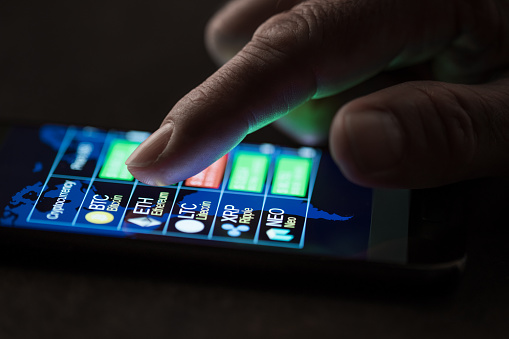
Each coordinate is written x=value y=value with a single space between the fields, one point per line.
x=279 y=234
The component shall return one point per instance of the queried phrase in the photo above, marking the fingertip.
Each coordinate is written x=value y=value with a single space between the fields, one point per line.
x=150 y=176
x=143 y=162
x=340 y=150
x=367 y=145
x=149 y=150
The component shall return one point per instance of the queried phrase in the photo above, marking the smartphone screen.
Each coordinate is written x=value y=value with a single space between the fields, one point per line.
x=260 y=197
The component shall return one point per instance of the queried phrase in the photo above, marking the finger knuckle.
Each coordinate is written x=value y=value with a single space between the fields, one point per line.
x=292 y=31
x=496 y=105
x=443 y=108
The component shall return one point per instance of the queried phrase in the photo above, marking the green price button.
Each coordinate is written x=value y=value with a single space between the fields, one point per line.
x=291 y=176
x=249 y=172
x=114 y=164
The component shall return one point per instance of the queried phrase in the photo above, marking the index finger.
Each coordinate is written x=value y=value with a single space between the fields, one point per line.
x=316 y=49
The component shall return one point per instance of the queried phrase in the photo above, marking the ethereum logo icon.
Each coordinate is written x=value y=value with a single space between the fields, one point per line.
x=144 y=222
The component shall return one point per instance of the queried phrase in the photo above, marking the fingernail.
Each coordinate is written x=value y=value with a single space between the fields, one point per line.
x=376 y=140
x=149 y=150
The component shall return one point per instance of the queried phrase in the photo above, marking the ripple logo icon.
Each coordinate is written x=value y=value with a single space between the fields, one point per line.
x=234 y=231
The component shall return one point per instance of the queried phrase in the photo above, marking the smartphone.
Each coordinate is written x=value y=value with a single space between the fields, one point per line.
x=261 y=205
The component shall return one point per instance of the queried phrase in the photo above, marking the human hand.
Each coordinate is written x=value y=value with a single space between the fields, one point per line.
x=416 y=134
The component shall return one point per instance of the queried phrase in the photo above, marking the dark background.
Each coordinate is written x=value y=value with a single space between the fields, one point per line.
x=124 y=64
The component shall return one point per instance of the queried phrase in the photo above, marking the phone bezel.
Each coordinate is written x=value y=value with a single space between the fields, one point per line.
x=433 y=243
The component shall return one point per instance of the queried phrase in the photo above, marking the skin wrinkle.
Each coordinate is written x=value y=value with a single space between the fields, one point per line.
x=471 y=129
x=307 y=15
x=200 y=97
x=426 y=132
x=430 y=97
x=461 y=141
x=464 y=144
x=310 y=4
x=496 y=116
x=497 y=135
x=260 y=42
x=282 y=32
x=501 y=89
x=346 y=44
x=259 y=45
x=319 y=61
x=197 y=98
x=212 y=89
x=415 y=129
x=221 y=82
x=314 y=29
x=403 y=128
x=321 y=47
x=253 y=118
x=444 y=118
x=331 y=2
x=228 y=80
x=452 y=119
x=264 y=40
x=424 y=136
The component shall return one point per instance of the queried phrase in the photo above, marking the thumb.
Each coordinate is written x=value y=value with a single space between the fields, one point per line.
x=423 y=134
x=317 y=49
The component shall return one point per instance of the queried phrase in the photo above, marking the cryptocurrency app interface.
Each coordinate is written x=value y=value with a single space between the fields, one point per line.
x=74 y=179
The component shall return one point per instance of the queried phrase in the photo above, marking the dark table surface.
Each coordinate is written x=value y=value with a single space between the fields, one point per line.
x=124 y=64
